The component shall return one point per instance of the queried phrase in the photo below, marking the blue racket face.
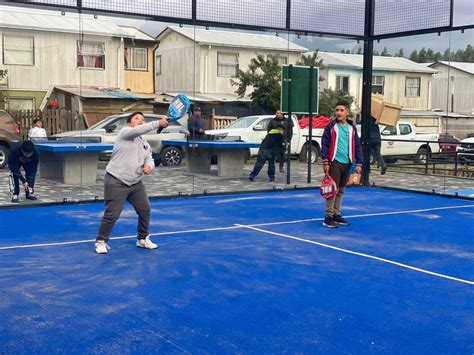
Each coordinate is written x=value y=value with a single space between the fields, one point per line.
x=178 y=107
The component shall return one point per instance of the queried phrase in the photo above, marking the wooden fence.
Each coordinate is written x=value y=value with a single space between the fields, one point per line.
x=219 y=122
x=54 y=121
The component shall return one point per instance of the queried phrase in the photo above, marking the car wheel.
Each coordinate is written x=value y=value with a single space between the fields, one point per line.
x=304 y=154
x=422 y=155
x=171 y=156
x=4 y=151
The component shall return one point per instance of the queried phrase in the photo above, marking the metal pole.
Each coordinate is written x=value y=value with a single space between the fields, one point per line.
x=311 y=108
x=367 y=88
x=290 y=85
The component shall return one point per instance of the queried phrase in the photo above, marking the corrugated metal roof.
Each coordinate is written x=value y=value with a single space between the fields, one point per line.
x=235 y=39
x=209 y=97
x=380 y=63
x=92 y=92
x=138 y=34
x=53 y=21
x=463 y=66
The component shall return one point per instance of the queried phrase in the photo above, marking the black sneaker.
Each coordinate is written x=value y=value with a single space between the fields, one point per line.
x=32 y=197
x=383 y=170
x=251 y=177
x=329 y=222
x=282 y=170
x=272 y=179
x=15 y=199
x=339 y=220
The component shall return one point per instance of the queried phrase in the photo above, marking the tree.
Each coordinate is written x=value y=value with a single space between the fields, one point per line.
x=385 y=52
x=264 y=76
x=359 y=50
x=414 y=56
x=312 y=60
x=376 y=53
x=400 y=53
x=328 y=99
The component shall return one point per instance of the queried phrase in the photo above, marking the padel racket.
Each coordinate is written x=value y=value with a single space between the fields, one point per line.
x=179 y=106
x=328 y=188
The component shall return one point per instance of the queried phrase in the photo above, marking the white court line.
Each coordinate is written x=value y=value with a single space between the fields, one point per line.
x=358 y=254
x=365 y=215
x=26 y=246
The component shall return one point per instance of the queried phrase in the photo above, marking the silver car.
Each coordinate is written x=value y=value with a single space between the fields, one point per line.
x=106 y=131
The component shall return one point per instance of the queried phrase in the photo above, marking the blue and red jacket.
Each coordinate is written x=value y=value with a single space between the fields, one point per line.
x=329 y=143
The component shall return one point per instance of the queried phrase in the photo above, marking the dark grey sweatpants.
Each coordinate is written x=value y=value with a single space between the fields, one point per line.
x=115 y=195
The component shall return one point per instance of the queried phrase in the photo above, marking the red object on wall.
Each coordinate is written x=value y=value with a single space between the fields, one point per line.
x=53 y=104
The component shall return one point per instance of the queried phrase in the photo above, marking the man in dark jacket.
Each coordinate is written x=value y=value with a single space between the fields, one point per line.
x=196 y=125
x=269 y=150
x=375 y=144
x=25 y=156
x=287 y=124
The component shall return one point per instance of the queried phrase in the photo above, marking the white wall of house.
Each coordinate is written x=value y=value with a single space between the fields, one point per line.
x=55 y=62
x=394 y=86
x=186 y=66
x=444 y=72
x=180 y=62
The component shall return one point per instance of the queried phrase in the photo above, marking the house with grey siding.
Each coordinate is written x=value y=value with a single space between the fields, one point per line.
x=400 y=80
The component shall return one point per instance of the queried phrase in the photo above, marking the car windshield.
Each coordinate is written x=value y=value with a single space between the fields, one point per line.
x=102 y=123
x=243 y=122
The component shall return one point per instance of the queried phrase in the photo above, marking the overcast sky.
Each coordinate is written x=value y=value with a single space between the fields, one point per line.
x=463 y=15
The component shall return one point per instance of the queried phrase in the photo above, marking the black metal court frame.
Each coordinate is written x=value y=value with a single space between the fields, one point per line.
x=365 y=20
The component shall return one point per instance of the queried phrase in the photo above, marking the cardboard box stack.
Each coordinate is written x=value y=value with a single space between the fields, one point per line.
x=384 y=112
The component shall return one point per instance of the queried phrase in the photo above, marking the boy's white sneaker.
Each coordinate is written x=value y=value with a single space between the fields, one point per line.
x=146 y=243
x=101 y=247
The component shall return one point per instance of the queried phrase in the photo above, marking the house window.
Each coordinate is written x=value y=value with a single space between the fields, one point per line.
x=227 y=64
x=342 y=83
x=90 y=55
x=158 y=65
x=18 y=50
x=412 y=86
x=20 y=103
x=378 y=83
x=136 y=58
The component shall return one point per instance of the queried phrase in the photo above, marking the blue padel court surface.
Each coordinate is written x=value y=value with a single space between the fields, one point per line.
x=248 y=273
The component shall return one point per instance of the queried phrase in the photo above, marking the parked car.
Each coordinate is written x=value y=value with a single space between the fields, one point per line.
x=106 y=131
x=448 y=145
x=402 y=141
x=9 y=131
x=253 y=129
x=466 y=150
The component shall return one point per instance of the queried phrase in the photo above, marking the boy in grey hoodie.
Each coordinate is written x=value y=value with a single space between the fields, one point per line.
x=131 y=160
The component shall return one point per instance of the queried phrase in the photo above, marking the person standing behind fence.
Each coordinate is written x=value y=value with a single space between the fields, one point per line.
x=27 y=157
x=269 y=150
x=37 y=133
x=340 y=149
x=131 y=160
x=375 y=144
x=196 y=125
x=281 y=120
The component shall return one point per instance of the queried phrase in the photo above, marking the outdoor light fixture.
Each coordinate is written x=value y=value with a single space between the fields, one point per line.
x=180 y=25
x=63 y=13
x=95 y=16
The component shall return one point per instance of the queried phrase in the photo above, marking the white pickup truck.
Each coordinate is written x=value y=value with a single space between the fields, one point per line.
x=253 y=129
x=402 y=141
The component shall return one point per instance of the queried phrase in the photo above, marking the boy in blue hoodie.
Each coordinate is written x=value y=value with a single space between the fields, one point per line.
x=340 y=149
